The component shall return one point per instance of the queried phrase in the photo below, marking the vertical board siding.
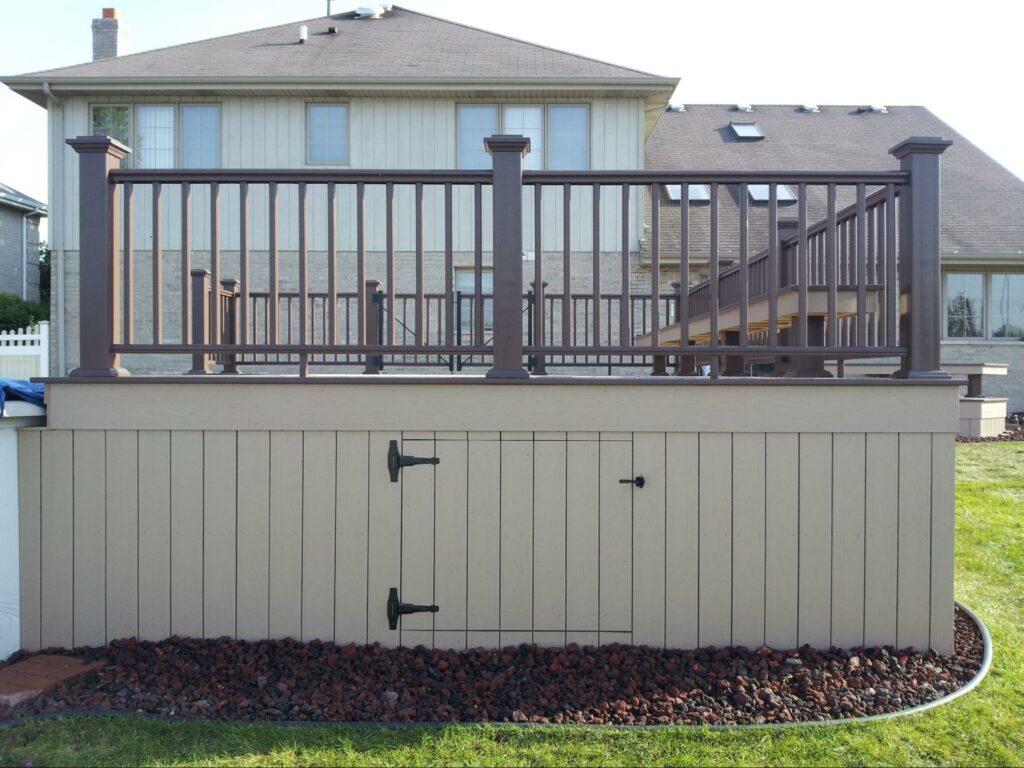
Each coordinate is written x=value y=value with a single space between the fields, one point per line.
x=736 y=538
x=748 y=531
x=285 y=570
x=30 y=541
x=90 y=529
x=848 y=527
x=782 y=544
x=252 y=604
x=682 y=554
x=814 y=621
x=155 y=535
x=649 y=549
x=220 y=525
x=714 y=590
x=122 y=546
x=352 y=531
x=913 y=577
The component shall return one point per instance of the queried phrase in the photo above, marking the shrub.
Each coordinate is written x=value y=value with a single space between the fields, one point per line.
x=16 y=313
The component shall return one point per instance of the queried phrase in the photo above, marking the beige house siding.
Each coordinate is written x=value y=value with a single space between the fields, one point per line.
x=834 y=526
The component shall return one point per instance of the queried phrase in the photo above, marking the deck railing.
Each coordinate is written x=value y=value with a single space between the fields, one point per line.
x=862 y=281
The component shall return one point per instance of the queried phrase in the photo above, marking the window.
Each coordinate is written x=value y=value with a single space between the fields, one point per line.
x=747 y=130
x=154 y=141
x=698 y=193
x=475 y=124
x=759 y=193
x=1006 y=306
x=465 y=283
x=327 y=134
x=965 y=303
x=528 y=122
x=113 y=121
x=563 y=144
x=200 y=136
x=569 y=138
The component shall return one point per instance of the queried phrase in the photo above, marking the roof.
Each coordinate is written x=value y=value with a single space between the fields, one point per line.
x=404 y=45
x=982 y=202
x=13 y=198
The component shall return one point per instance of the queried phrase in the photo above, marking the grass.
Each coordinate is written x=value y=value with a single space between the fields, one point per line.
x=983 y=728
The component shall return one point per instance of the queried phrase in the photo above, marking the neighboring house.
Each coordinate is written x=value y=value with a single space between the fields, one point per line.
x=20 y=216
x=982 y=237
x=405 y=90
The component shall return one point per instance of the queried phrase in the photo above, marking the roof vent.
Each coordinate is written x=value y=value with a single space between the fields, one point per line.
x=675 y=106
x=810 y=108
x=878 y=109
x=303 y=33
x=332 y=30
x=744 y=108
x=372 y=11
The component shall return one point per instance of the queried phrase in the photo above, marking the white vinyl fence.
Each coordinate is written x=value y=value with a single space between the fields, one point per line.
x=25 y=353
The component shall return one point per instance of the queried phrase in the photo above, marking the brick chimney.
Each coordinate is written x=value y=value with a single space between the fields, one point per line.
x=108 y=36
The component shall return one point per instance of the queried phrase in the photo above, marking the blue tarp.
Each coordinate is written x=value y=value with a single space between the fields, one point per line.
x=19 y=389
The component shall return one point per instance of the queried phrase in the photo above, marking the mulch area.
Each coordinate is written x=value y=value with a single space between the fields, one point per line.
x=287 y=680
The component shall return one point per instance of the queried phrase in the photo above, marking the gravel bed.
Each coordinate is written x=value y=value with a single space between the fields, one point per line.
x=1006 y=437
x=287 y=680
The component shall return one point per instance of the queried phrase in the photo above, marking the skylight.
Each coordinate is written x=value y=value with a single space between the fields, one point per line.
x=747 y=130
x=698 y=193
x=759 y=193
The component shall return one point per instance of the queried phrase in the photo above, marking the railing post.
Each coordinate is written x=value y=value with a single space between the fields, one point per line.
x=200 y=320
x=920 y=275
x=537 y=326
x=99 y=292
x=230 y=327
x=507 y=153
x=371 y=306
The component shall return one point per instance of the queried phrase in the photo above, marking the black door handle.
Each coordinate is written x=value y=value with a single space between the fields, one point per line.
x=396 y=460
x=638 y=481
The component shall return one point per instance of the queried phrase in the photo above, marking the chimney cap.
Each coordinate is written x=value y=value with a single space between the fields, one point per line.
x=110 y=13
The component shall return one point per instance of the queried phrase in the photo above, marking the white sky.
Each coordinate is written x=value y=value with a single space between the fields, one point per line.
x=961 y=60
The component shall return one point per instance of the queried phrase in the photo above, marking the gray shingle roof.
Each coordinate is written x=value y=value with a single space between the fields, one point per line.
x=12 y=197
x=982 y=202
x=404 y=45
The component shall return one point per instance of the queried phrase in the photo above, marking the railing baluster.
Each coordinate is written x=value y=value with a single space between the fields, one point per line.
x=331 y=303
x=215 y=260
x=713 y=258
x=567 y=310
x=801 y=269
x=418 y=335
x=303 y=266
x=129 y=265
x=655 y=263
x=390 y=261
x=892 y=288
x=862 y=277
x=449 y=271
x=158 y=270
x=539 y=307
x=684 y=266
x=773 y=265
x=186 y=262
x=272 y=299
x=243 y=264
x=478 y=265
x=744 y=297
x=831 y=277
x=596 y=251
x=625 y=331
x=362 y=297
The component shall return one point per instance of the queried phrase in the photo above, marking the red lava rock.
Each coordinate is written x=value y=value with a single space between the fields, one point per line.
x=287 y=680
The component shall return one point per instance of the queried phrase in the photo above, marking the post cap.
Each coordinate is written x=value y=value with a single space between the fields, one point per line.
x=199 y=272
x=102 y=144
x=505 y=143
x=920 y=145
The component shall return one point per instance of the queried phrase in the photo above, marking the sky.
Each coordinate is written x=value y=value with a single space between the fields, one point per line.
x=961 y=60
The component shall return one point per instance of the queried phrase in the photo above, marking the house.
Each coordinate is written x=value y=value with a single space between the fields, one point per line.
x=331 y=196
x=402 y=90
x=982 y=239
x=20 y=216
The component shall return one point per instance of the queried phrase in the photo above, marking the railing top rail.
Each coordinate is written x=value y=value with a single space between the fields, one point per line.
x=667 y=176
x=297 y=176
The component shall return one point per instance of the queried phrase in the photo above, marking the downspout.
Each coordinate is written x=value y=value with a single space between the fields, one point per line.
x=57 y=237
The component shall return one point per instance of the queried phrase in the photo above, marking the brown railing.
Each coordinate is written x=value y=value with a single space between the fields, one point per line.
x=862 y=281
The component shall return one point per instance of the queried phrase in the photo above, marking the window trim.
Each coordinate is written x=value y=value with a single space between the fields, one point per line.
x=986 y=286
x=348 y=133
x=546 y=107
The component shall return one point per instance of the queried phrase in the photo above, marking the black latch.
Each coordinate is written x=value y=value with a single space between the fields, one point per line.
x=396 y=460
x=638 y=481
x=396 y=609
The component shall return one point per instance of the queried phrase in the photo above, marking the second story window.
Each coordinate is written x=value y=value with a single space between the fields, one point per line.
x=200 y=136
x=154 y=137
x=173 y=135
x=327 y=134
x=559 y=134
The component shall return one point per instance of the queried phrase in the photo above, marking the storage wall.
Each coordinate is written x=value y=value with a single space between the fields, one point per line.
x=758 y=530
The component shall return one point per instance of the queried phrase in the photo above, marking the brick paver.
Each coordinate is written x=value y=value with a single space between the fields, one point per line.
x=27 y=679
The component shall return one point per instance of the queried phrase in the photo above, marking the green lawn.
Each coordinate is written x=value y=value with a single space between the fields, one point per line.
x=984 y=728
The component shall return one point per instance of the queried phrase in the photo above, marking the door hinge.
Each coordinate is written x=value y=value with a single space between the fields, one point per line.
x=638 y=481
x=396 y=460
x=396 y=609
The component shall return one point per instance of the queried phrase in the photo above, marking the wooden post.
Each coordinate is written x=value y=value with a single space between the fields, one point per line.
x=507 y=153
x=230 y=329
x=371 y=322
x=920 y=276
x=99 y=294
x=200 y=320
